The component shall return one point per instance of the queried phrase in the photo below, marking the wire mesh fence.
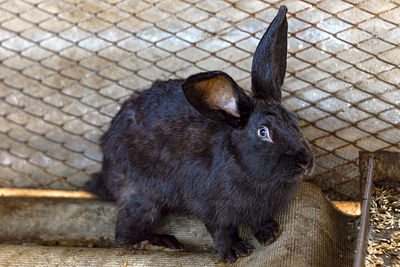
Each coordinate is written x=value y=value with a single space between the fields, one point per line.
x=66 y=66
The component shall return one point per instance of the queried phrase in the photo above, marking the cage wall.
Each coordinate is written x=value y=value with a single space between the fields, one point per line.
x=66 y=66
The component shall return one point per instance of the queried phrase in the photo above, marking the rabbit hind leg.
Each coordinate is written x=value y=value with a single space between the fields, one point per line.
x=136 y=218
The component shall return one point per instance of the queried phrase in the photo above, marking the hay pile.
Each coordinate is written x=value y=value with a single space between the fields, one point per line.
x=384 y=238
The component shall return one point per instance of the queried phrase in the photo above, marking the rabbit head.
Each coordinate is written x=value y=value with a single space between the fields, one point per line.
x=267 y=134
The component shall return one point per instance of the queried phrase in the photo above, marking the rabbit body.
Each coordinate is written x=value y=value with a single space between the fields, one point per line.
x=202 y=146
x=161 y=148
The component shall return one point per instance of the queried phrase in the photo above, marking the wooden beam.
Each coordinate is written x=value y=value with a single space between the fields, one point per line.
x=23 y=192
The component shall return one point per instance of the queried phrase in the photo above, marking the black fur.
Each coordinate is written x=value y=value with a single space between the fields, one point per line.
x=162 y=155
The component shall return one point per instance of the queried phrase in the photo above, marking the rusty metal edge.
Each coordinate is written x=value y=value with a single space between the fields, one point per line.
x=359 y=260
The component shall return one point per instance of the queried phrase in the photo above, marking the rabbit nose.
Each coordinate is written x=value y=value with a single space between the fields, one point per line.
x=302 y=158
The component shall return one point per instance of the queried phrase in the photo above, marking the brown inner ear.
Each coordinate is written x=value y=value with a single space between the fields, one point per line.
x=219 y=94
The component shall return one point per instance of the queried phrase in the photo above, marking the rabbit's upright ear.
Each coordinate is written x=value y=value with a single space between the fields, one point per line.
x=269 y=61
x=218 y=97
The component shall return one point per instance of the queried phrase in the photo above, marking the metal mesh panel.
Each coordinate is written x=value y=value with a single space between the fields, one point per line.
x=68 y=65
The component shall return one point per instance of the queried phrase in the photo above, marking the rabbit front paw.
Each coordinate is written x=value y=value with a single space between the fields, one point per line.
x=268 y=233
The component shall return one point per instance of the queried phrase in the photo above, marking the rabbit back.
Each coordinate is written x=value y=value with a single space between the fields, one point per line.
x=157 y=143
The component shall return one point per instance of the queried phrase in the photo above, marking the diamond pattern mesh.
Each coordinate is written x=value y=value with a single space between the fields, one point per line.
x=68 y=65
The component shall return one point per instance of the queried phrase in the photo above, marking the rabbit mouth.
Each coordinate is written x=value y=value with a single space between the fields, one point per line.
x=306 y=169
x=301 y=170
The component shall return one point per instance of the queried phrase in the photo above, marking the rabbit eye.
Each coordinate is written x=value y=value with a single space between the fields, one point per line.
x=263 y=133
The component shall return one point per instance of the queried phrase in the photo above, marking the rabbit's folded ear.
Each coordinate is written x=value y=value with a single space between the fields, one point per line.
x=218 y=97
x=269 y=61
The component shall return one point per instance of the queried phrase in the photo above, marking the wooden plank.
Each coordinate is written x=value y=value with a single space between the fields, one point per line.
x=22 y=192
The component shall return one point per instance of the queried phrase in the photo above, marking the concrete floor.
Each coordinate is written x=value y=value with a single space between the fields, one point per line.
x=66 y=66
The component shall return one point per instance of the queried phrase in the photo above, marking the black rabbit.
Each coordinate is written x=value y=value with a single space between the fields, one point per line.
x=203 y=146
